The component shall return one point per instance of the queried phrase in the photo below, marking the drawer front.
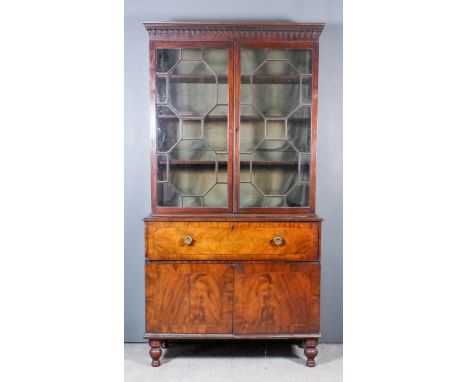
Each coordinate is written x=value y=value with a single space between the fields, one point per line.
x=232 y=240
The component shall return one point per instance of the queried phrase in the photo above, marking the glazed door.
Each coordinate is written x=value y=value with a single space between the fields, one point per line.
x=192 y=133
x=275 y=132
x=277 y=298
x=189 y=298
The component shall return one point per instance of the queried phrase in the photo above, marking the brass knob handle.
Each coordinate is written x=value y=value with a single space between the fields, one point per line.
x=278 y=240
x=188 y=240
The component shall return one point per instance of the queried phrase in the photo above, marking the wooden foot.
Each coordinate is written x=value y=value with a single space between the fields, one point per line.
x=155 y=352
x=164 y=344
x=310 y=351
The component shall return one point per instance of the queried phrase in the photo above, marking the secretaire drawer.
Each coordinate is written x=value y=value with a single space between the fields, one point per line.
x=232 y=240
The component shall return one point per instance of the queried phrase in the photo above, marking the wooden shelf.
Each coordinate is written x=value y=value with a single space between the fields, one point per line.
x=207 y=118
x=249 y=118
x=246 y=118
x=223 y=79
x=272 y=79
x=270 y=163
x=178 y=162
x=202 y=79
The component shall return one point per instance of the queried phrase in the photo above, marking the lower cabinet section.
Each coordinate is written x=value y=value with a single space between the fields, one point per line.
x=238 y=299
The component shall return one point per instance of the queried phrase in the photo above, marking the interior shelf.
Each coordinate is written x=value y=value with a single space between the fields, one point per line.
x=278 y=79
x=178 y=162
x=189 y=79
x=223 y=79
x=246 y=118
x=208 y=118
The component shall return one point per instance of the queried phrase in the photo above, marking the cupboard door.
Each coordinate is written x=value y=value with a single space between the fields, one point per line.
x=192 y=128
x=277 y=298
x=186 y=298
x=275 y=127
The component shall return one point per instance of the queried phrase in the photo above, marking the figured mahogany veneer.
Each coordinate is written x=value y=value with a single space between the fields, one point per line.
x=189 y=298
x=232 y=241
x=245 y=298
x=277 y=298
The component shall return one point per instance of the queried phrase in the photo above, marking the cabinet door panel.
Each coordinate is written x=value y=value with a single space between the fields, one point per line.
x=193 y=135
x=275 y=129
x=277 y=298
x=185 y=298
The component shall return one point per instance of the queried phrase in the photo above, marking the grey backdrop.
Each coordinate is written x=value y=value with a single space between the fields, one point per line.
x=329 y=158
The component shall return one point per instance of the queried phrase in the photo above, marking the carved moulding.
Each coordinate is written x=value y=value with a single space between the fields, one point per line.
x=227 y=31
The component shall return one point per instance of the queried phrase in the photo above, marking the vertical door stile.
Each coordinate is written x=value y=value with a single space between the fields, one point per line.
x=152 y=124
x=236 y=105
x=231 y=127
x=313 y=150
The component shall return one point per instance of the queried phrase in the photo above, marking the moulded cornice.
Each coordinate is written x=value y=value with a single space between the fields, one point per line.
x=232 y=30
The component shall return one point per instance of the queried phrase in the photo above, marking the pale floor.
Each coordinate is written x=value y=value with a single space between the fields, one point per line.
x=228 y=361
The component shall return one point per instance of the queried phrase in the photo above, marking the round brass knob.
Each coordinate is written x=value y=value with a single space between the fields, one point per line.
x=188 y=240
x=278 y=240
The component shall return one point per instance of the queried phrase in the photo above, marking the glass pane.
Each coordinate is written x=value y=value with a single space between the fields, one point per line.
x=275 y=88
x=191 y=54
x=246 y=90
x=222 y=168
x=168 y=195
x=304 y=168
x=216 y=129
x=161 y=95
x=162 y=168
x=192 y=201
x=167 y=128
x=216 y=197
x=192 y=127
x=275 y=127
x=245 y=168
x=250 y=196
x=192 y=89
x=166 y=59
x=217 y=60
x=252 y=128
x=306 y=83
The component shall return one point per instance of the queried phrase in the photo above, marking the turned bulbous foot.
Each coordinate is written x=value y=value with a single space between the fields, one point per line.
x=310 y=351
x=155 y=352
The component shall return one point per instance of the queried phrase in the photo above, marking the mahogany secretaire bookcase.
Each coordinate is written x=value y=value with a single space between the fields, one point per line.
x=232 y=246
